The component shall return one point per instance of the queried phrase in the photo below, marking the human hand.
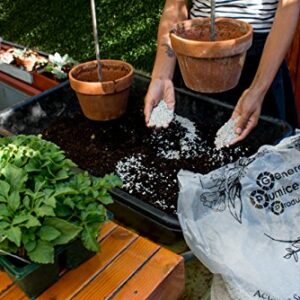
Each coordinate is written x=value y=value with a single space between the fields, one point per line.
x=248 y=110
x=159 y=89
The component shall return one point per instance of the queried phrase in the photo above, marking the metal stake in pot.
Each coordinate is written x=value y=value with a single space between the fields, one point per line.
x=96 y=40
x=213 y=21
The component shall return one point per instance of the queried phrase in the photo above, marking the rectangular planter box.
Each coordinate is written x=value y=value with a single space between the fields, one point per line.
x=42 y=82
x=33 y=278
x=128 y=209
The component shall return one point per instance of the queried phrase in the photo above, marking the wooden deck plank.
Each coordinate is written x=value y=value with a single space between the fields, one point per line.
x=119 y=271
x=106 y=229
x=5 y=282
x=73 y=281
x=164 y=266
x=13 y=293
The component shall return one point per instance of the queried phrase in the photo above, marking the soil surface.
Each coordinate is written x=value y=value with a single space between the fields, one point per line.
x=110 y=72
x=202 y=32
x=147 y=160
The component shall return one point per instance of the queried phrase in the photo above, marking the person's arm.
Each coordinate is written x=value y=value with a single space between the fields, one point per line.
x=161 y=86
x=276 y=47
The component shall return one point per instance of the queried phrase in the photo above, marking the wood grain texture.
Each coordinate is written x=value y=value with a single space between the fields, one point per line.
x=128 y=267
x=13 y=293
x=119 y=271
x=73 y=281
x=5 y=281
x=161 y=278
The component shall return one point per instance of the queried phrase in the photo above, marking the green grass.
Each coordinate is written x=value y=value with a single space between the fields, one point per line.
x=127 y=29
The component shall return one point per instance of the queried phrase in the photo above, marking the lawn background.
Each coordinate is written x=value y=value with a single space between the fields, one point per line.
x=127 y=29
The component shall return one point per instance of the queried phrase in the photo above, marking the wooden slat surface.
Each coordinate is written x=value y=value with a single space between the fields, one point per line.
x=106 y=229
x=127 y=267
x=13 y=293
x=5 y=282
x=73 y=281
x=144 y=283
x=119 y=271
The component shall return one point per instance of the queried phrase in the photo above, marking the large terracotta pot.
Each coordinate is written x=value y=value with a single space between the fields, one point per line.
x=105 y=100
x=211 y=66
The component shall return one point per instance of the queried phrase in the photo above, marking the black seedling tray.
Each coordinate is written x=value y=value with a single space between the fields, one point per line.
x=34 y=116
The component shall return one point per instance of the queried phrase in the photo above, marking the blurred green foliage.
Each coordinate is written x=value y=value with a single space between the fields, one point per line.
x=127 y=29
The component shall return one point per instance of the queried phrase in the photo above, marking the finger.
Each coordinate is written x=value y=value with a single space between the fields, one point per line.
x=251 y=124
x=170 y=96
x=147 y=111
x=236 y=114
x=242 y=123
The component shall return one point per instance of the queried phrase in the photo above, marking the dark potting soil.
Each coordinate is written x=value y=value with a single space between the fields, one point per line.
x=147 y=160
x=224 y=31
x=110 y=72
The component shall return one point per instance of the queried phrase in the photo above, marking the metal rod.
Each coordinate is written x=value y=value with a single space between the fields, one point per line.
x=96 y=40
x=213 y=20
x=15 y=256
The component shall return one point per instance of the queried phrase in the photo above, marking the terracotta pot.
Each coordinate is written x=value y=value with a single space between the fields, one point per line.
x=211 y=66
x=27 y=63
x=106 y=100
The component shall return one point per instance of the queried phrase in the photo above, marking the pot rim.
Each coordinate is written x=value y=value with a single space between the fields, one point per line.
x=218 y=20
x=101 y=87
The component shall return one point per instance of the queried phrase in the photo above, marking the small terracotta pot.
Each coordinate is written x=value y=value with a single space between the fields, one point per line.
x=27 y=63
x=211 y=66
x=105 y=100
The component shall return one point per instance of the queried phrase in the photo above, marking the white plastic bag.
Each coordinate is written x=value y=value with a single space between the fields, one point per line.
x=243 y=220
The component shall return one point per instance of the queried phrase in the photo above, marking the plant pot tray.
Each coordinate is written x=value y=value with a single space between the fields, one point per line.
x=148 y=160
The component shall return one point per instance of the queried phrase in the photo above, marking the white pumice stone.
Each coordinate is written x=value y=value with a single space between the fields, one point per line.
x=161 y=115
x=226 y=134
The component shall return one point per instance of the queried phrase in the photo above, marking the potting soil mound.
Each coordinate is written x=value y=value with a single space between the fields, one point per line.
x=147 y=160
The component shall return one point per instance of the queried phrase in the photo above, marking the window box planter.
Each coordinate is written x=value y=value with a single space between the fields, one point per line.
x=43 y=82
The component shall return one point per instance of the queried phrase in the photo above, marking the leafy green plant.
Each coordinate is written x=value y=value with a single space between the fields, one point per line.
x=59 y=65
x=45 y=201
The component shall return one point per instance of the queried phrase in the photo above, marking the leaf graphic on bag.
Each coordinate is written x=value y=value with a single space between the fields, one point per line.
x=235 y=201
x=214 y=200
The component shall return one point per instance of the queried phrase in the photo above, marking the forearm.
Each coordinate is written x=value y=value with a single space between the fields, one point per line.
x=174 y=11
x=277 y=45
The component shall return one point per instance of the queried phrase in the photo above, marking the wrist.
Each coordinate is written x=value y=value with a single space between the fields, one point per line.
x=260 y=86
x=258 y=91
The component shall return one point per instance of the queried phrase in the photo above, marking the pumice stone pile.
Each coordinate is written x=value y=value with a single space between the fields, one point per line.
x=161 y=115
x=226 y=134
